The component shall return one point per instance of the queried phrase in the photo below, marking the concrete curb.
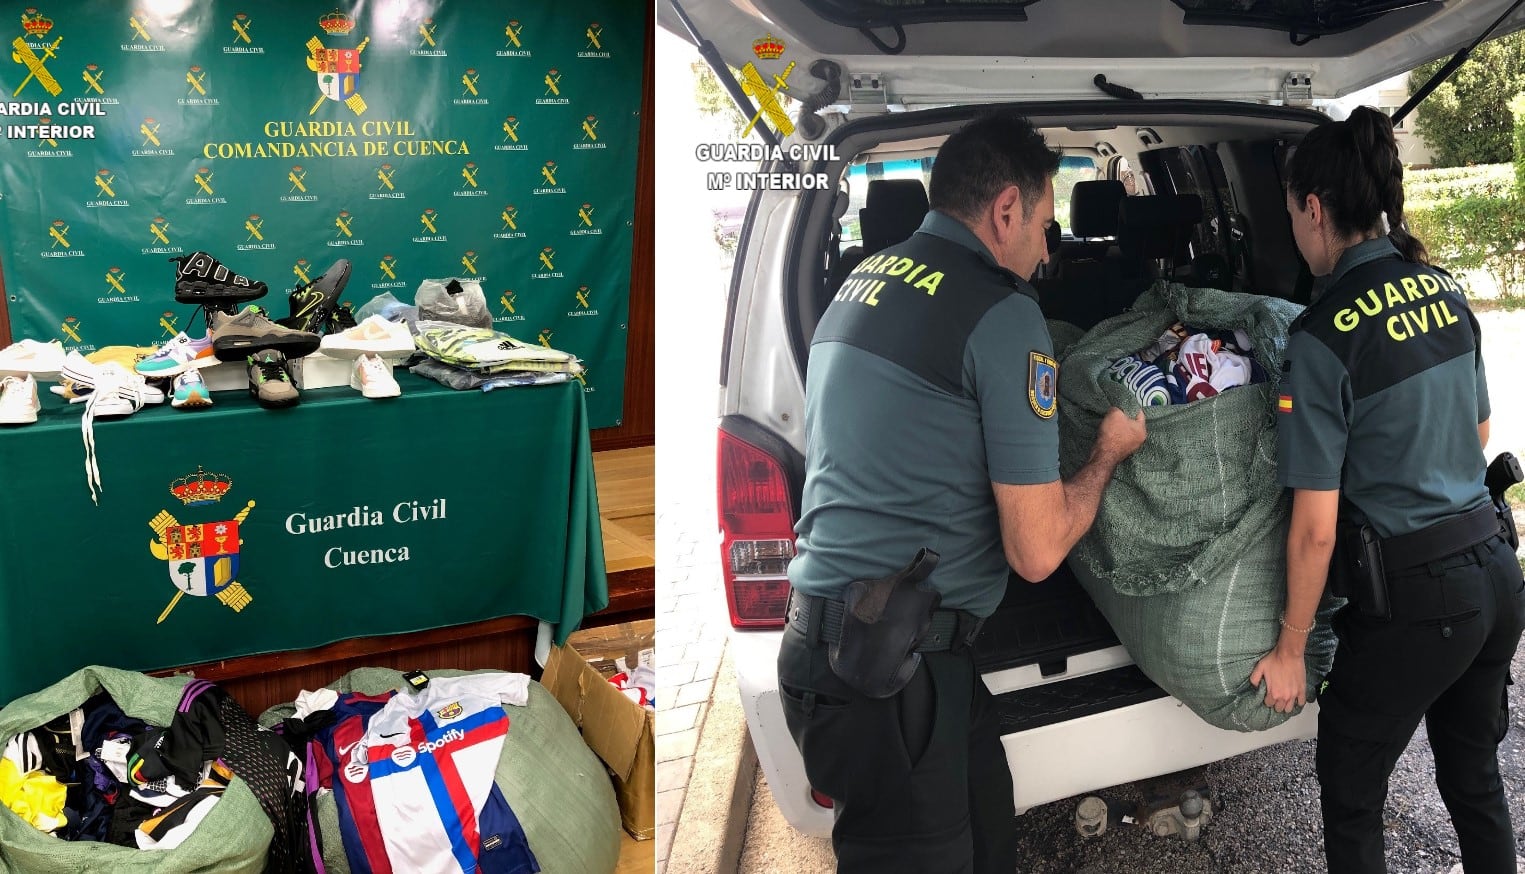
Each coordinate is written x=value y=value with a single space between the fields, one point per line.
x=713 y=822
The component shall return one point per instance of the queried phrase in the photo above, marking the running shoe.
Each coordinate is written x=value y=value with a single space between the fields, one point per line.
x=234 y=337
x=177 y=356
x=202 y=279
x=374 y=336
x=32 y=358
x=373 y=378
x=314 y=305
x=270 y=380
x=18 y=400
x=190 y=391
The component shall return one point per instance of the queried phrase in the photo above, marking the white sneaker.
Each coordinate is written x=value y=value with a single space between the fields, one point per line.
x=31 y=358
x=374 y=336
x=373 y=378
x=79 y=369
x=18 y=400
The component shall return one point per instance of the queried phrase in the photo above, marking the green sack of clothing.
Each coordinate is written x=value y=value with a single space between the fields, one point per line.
x=558 y=789
x=234 y=836
x=1187 y=556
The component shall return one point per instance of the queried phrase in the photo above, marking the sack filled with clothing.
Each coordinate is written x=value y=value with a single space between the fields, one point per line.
x=110 y=771
x=1187 y=558
x=521 y=791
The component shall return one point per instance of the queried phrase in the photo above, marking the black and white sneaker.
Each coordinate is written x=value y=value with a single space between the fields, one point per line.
x=202 y=279
x=314 y=305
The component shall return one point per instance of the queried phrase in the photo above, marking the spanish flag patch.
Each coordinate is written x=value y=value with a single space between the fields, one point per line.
x=1284 y=404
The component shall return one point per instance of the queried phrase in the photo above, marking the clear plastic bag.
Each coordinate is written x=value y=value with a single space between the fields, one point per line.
x=453 y=300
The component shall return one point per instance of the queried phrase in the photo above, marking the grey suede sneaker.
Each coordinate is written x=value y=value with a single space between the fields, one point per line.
x=234 y=337
x=270 y=381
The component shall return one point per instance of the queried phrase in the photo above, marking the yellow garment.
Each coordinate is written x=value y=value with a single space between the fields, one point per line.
x=36 y=797
x=126 y=356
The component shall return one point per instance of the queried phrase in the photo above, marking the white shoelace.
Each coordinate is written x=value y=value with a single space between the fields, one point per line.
x=112 y=384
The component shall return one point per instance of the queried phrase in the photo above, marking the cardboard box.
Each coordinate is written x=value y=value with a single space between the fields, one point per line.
x=618 y=730
x=312 y=371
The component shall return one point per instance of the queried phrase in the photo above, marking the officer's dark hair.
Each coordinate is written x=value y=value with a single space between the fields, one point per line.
x=1353 y=167
x=986 y=155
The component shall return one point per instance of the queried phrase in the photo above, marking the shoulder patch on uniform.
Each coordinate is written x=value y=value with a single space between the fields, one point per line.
x=1042 y=384
x=1284 y=404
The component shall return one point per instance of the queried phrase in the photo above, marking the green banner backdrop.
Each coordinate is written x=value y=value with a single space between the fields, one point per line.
x=418 y=138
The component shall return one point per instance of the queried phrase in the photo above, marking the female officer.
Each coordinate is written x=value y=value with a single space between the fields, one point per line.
x=1383 y=419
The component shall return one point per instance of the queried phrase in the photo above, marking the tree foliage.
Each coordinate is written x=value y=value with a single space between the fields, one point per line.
x=1467 y=119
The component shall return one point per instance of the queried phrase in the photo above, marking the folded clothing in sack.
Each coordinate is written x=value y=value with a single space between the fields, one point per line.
x=1186 y=557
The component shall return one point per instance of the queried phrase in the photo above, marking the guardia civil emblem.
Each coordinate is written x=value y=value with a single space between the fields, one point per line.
x=338 y=70
x=202 y=558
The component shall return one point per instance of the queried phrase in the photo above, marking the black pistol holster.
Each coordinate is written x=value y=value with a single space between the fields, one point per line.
x=882 y=626
x=1363 y=577
x=1505 y=471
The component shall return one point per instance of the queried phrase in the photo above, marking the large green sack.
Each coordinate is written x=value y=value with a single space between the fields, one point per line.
x=1187 y=558
x=557 y=787
x=234 y=836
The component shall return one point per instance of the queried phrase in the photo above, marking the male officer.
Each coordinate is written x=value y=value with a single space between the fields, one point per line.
x=930 y=417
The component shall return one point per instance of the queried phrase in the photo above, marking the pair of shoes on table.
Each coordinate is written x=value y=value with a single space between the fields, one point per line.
x=203 y=280
x=270 y=380
x=18 y=400
x=114 y=392
x=373 y=378
x=32 y=358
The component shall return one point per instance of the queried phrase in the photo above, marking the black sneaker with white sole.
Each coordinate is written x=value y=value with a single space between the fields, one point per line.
x=314 y=304
x=202 y=279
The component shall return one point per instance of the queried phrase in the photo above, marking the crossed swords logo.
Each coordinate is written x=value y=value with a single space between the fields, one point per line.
x=204 y=181
x=342 y=223
x=45 y=121
x=22 y=54
x=241 y=25
x=507 y=299
x=138 y=30
x=585 y=214
x=114 y=278
x=103 y=181
x=254 y=225
x=593 y=33
x=58 y=231
x=511 y=129
x=544 y=337
x=384 y=173
x=469 y=79
x=590 y=128
x=150 y=130
x=469 y=173
x=387 y=265
x=428 y=218
x=93 y=75
x=553 y=83
x=767 y=97
x=70 y=327
x=196 y=76
x=296 y=176
x=582 y=296
x=157 y=228
x=510 y=218
x=549 y=172
x=426 y=33
x=512 y=31
x=546 y=255
x=469 y=261
x=168 y=321
x=300 y=270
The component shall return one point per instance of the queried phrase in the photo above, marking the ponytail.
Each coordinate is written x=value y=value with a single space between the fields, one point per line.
x=1354 y=169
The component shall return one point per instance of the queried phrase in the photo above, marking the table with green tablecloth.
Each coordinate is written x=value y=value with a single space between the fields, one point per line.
x=237 y=530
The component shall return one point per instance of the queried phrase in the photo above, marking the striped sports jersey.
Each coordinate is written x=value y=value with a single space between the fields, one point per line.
x=413 y=775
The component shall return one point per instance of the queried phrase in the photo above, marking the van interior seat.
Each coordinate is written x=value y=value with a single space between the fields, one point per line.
x=892 y=211
x=1094 y=207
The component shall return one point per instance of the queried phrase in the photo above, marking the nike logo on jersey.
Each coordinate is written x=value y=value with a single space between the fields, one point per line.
x=344 y=750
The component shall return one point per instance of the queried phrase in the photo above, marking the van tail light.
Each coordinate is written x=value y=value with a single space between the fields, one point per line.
x=821 y=799
x=757 y=528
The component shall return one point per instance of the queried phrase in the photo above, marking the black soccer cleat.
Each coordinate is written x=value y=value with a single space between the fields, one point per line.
x=313 y=305
x=202 y=279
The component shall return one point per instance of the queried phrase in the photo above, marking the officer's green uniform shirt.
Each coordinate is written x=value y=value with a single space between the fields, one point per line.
x=1384 y=391
x=930 y=376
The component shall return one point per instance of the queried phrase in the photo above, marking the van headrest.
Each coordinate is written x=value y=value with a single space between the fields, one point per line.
x=892 y=211
x=1158 y=226
x=1093 y=208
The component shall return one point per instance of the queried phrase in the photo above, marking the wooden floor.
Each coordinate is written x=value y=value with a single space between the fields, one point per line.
x=627 y=507
x=636 y=857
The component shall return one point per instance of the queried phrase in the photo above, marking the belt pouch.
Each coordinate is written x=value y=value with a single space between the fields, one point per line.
x=883 y=624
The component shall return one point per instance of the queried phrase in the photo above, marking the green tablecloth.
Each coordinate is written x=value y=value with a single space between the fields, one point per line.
x=363 y=518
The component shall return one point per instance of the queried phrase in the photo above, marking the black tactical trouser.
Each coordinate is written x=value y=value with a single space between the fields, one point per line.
x=919 y=780
x=1443 y=657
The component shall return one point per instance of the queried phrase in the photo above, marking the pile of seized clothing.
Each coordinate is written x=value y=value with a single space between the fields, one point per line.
x=1187 y=364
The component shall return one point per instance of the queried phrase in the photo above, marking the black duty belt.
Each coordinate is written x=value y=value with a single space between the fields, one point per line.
x=950 y=628
x=1441 y=540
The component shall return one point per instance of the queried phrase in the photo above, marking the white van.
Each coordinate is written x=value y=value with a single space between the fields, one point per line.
x=1199 y=98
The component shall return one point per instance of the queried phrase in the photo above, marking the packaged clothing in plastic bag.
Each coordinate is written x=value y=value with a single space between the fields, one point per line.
x=488 y=351
x=388 y=307
x=462 y=380
x=1186 y=558
x=234 y=835
x=460 y=301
